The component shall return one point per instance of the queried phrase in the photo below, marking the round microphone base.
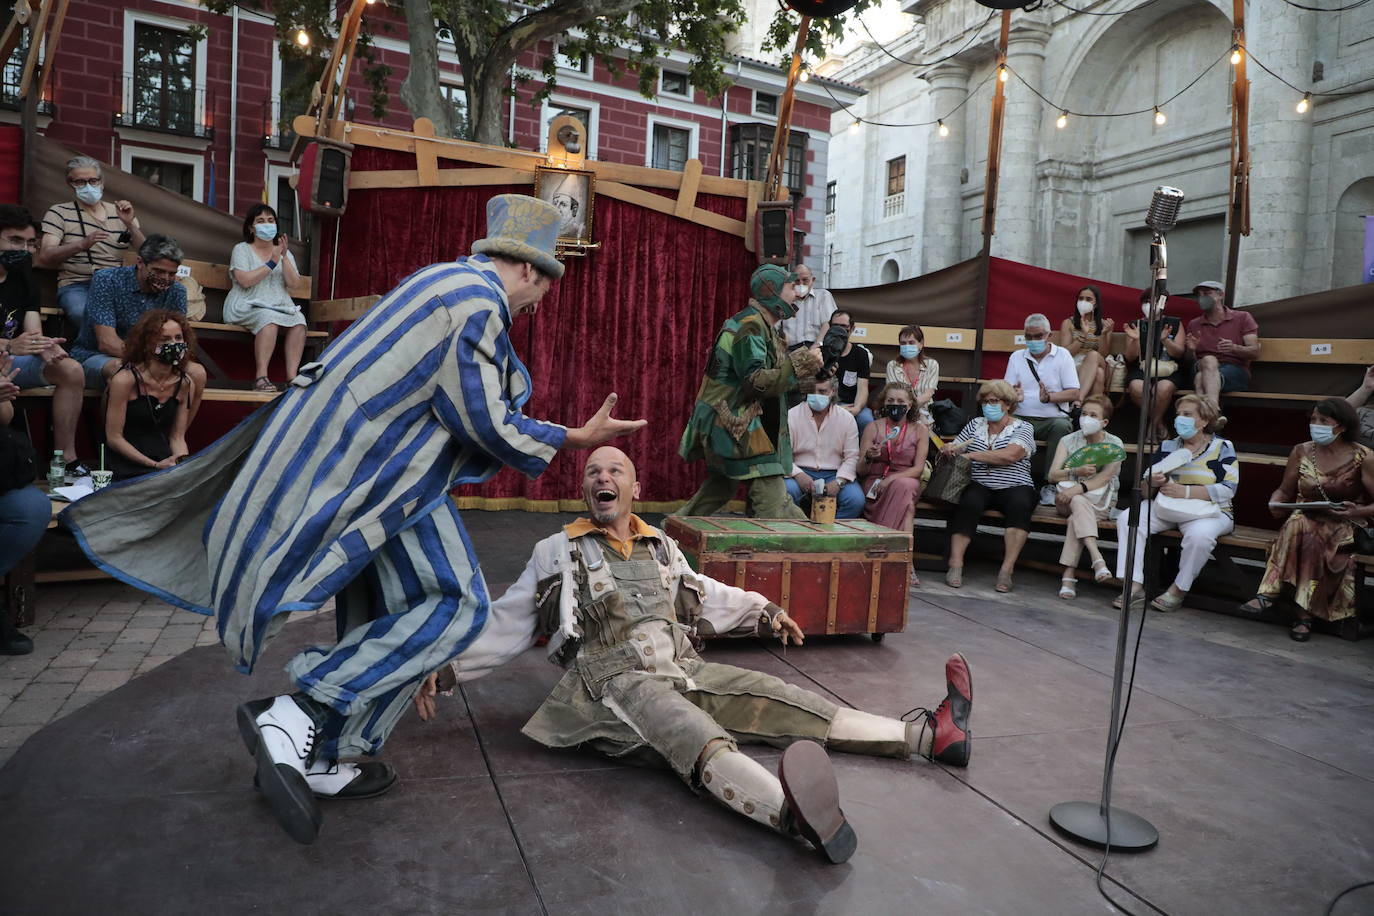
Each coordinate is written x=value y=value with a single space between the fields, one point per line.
x=1083 y=821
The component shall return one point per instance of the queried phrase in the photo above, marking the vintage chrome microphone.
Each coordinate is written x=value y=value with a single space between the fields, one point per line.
x=1097 y=822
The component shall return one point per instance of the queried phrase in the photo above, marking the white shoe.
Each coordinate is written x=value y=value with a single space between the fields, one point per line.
x=1047 y=494
x=281 y=734
x=332 y=779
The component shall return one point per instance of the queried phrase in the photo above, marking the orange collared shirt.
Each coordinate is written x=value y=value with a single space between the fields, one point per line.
x=639 y=529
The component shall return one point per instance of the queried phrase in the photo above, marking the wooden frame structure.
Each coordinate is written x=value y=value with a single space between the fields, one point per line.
x=494 y=166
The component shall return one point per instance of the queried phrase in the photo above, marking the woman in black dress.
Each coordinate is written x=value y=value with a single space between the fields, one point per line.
x=147 y=410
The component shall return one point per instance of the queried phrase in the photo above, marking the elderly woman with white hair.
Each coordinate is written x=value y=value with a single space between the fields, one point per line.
x=86 y=234
x=1046 y=381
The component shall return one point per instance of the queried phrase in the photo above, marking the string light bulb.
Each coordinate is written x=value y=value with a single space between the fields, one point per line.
x=854 y=128
x=943 y=129
x=1160 y=119
x=303 y=38
x=1003 y=73
x=804 y=75
x=1235 y=55
x=1305 y=103
x=1063 y=120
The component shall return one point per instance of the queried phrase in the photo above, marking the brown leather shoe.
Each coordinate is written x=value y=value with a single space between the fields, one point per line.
x=813 y=801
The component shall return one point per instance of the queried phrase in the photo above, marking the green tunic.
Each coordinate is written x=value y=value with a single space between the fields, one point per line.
x=739 y=424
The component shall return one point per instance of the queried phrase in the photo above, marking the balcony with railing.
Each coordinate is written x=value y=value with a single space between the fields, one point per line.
x=165 y=105
x=276 y=121
x=13 y=73
x=894 y=205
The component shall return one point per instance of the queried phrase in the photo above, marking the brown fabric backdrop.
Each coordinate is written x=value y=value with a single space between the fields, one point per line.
x=638 y=316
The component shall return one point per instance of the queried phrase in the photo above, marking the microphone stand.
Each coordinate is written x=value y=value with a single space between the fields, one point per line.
x=1098 y=823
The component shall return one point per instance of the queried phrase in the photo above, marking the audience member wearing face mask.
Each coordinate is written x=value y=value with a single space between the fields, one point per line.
x=84 y=235
x=1199 y=474
x=120 y=296
x=814 y=306
x=1310 y=573
x=916 y=367
x=1046 y=381
x=1084 y=494
x=263 y=271
x=1088 y=338
x=892 y=455
x=148 y=407
x=825 y=451
x=1171 y=347
x=1222 y=343
x=1000 y=446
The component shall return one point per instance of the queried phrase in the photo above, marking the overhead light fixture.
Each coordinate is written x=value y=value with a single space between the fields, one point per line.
x=854 y=128
x=804 y=75
x=1063 y=120
x=1305 y=103
x=303 y=38
x=1235 y=55
x=1002 y=73
x=943 y=129
x=1160 y=119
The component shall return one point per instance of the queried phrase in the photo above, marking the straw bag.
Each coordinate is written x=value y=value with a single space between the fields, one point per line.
x=1116 y=381
x=949 y=479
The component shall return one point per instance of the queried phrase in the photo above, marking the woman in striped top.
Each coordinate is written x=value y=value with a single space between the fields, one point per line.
x=1199 y=486
x=915 y=368
x=1000 y=447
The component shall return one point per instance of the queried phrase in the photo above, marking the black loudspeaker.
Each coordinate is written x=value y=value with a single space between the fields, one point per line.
x=819 y=9
x=773 y=232
x=323 y=184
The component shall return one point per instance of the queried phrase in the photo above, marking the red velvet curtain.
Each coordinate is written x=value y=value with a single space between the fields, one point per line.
x=637 y=316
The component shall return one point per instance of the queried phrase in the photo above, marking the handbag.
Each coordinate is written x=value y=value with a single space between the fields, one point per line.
x=1117 y=380
x=949 y=417
x=1178 y=509
x=949 y=479
x=1163 y=368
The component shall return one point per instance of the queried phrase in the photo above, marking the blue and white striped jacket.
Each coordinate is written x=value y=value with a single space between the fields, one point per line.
x=420 y=394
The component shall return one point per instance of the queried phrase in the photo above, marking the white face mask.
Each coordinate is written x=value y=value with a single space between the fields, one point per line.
x=1089 y=425
x=1085 y=307
x=801 y=288
x=1145 y=309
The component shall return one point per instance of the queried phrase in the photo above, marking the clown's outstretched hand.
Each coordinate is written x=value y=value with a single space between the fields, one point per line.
x=602 y=427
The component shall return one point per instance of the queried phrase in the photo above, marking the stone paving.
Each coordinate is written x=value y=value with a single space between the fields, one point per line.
x=90 y=638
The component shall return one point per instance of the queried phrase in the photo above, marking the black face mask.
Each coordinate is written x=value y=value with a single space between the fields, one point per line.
x=16 y=258
x=897 y=412
x=172 y=352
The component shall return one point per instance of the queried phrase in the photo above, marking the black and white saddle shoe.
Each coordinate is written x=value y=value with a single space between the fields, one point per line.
x=281 y=733
x=347 y=781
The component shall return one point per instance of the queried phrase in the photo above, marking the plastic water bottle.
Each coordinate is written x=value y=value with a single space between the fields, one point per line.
x=818 y=487
x=57 y=471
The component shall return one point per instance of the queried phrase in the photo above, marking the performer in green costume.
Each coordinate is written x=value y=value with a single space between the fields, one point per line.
x=739 y=424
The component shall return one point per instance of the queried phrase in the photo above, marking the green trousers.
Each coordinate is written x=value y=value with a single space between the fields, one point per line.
x=767 y=497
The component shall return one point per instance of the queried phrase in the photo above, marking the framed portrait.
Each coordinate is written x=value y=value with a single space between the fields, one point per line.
x=573 y=192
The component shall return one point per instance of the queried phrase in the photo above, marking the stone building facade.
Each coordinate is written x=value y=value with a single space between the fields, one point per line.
x=1073 y=198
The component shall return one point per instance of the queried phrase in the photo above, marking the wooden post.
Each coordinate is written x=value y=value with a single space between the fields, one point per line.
x=328 y=102
x=778 y=154
x=54 y=35
x=995 y=118
x=1238 y=213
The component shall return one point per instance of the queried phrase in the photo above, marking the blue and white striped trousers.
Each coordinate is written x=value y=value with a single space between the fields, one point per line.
x=418 y=604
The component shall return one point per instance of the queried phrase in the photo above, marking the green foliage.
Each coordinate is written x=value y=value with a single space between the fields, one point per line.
x=782 y=32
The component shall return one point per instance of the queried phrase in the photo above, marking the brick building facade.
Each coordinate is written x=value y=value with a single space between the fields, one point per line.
x=205 y=116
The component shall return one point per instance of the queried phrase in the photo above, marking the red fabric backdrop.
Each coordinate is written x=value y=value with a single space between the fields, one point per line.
x=637 y=316
x=11 y=163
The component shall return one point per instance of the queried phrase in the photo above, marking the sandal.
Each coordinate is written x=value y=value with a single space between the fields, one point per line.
x=1257 y=606
x=1100 y=571
x=1166 y=602
x=263 y=383
x=1137 y=600
x=1003 y=583
x=1305 y=633
x=1068 y=588
x=954 y=577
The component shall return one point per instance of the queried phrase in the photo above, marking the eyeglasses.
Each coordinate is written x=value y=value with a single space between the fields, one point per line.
x=85 y=182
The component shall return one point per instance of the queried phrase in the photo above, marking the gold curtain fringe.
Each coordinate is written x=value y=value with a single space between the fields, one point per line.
x=502 y=504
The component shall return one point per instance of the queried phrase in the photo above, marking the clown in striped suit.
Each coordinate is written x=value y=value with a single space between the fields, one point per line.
x=340 y=488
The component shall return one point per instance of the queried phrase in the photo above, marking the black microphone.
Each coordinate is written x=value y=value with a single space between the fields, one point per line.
x=1163 y=213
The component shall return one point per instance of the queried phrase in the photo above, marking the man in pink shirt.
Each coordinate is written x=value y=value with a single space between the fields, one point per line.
x=1222 y=343
x=825 y=447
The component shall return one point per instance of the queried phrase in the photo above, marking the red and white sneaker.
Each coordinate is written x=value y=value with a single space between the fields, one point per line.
x=951 y=739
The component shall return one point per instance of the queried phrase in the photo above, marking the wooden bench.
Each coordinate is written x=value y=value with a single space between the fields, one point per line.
x=1220 y=587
